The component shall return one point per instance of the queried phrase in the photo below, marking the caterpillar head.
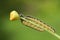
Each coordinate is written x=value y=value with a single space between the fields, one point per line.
x=14 y=15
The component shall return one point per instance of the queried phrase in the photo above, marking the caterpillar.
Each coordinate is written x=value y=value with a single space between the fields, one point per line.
x=37 y=22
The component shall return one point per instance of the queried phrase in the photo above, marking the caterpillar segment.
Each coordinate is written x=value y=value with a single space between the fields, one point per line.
x=31 y=25
x=40 y=23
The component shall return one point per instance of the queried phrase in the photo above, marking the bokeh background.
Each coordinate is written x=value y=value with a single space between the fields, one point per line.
x=46 y=10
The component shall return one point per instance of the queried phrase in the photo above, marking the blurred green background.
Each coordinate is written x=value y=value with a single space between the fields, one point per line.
x=46 y=10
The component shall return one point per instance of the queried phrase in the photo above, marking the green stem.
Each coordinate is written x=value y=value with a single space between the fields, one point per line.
x=53 y=33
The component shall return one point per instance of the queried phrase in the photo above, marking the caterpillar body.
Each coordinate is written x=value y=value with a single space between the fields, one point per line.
x=37 y=22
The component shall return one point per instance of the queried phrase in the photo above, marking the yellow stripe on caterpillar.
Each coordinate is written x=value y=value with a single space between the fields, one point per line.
x=32 y=26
